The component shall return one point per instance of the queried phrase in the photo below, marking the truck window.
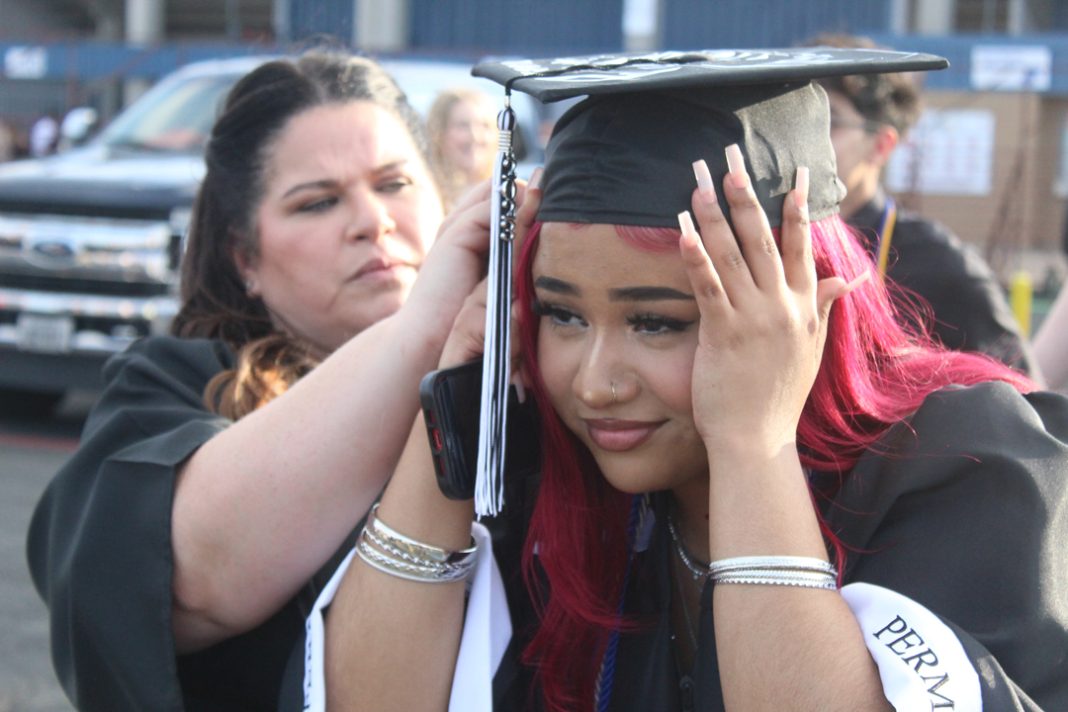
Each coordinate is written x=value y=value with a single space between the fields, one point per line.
x=173 y=116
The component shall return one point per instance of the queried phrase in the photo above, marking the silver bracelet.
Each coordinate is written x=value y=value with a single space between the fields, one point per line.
x=434 y=573
x=393 y=553
x=769 y=577
x=774 y=563
x=415 y=548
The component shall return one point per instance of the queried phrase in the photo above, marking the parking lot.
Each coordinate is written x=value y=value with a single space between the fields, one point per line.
x=30 y=451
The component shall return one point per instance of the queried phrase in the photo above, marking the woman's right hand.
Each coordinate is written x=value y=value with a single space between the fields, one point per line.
x=456 y=262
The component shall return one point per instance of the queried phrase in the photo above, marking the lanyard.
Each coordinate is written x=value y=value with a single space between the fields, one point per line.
x=886 y=234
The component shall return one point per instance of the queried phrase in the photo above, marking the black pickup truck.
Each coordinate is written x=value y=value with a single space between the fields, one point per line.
x=91 y=239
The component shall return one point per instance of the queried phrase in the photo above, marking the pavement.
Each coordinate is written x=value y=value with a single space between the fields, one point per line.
x=29 y=454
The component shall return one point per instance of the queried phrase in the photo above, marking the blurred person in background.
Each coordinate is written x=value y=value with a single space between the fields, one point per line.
x=1051 y=343
x=961 y=301
x=1051 y=339
x=44 y=134
x=224 y=466
x=8 y=145
x=462 y=128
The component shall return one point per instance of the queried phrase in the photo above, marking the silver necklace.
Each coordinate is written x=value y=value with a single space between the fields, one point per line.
x=698 y=568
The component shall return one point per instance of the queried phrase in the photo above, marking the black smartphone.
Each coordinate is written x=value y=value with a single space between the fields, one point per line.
x=451 y=399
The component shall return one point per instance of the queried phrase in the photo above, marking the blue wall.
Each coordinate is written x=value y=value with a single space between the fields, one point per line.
x=470 y=28
x=533 y=27
x=91 y=61
x=310 y=18
x=693 y=24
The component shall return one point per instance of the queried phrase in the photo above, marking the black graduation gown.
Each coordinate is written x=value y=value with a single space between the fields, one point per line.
x=963 y=509
x=970 y=309
x=99 y=549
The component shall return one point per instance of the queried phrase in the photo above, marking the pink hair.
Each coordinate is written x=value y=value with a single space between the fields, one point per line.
x=874 y=373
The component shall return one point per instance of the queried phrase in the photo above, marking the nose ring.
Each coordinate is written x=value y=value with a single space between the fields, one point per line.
x=615 y=398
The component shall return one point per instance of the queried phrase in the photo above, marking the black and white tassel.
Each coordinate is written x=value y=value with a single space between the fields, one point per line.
x=496 y=365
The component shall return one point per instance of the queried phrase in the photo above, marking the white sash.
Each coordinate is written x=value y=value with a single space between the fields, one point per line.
x=921 y=662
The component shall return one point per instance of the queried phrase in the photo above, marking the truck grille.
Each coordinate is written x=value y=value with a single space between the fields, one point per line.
x=57 y=283
x=86 y=255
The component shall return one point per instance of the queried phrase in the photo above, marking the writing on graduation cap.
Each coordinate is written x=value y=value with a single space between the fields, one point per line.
x=552 y=79
x=596 y=67
x=900 y=638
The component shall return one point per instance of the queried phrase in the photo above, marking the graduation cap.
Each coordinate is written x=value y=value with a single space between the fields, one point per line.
x=623 y=156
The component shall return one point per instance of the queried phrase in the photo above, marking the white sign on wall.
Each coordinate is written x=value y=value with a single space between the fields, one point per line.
x=1009 y=68
x=949 y=152
x=25 y=62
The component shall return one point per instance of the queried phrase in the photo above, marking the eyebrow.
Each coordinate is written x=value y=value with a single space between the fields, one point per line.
x=311 y=185
x=647 y=294
x=329 y=183
x=623 y=294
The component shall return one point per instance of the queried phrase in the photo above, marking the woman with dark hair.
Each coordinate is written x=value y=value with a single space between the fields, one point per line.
x=758 y=490
x=223 y=467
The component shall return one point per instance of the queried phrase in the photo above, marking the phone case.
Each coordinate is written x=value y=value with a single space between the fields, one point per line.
x=451 y=400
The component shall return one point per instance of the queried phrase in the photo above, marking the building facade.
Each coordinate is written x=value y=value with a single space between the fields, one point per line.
x=993 y=149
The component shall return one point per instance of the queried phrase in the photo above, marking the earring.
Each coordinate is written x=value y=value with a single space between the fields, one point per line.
x=249 y=286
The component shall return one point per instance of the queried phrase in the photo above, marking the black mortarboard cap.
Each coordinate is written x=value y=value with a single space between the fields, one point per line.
x=623 y=155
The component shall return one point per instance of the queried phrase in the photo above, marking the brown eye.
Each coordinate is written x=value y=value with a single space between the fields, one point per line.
x=318 y=206
x=654 y=324
x=395 y=185
x=557 y=315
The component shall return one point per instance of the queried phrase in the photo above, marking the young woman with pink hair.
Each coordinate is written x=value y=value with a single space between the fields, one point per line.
x=757 y=491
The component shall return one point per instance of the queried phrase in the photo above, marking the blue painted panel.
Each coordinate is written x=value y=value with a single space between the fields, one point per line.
x=958 y=50
x=92 y=61
x=700 y=24
x=1059 y=16
x=329 y=18
x=544 y=27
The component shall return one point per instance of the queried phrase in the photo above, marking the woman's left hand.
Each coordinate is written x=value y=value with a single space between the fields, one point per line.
x=763 y=316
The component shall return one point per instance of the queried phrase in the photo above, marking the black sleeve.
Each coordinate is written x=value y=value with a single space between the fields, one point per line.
x=971 y=312
x=99 y=543
x=965 y=511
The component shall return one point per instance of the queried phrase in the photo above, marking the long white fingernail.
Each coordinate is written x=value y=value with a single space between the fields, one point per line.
x=736 y=166
x=704 y=181
x=686 y=223
x=801 y=187
x=535 y=178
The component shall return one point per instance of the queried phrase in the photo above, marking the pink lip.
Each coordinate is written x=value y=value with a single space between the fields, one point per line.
x=378 y=268
x=619 y=435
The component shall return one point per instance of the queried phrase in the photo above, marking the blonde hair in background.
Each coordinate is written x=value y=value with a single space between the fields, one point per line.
x=453 y=180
